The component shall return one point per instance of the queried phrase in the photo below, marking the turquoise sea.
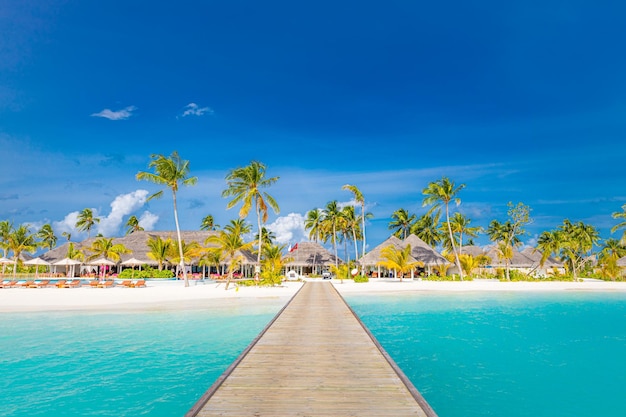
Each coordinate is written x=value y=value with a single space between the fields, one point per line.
x=469 y=354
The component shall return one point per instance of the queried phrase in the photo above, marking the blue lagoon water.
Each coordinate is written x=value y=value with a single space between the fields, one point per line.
x=507 y=354
x=470 y=354
x=128 y=363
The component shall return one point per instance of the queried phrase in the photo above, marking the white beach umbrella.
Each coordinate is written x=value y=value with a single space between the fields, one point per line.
x=69 y=264
x=102 y=262
x=37 y=262
x=4 y=260
x=134 y=262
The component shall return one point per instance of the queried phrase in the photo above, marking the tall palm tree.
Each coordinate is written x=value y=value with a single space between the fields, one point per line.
x=398 y=260
x=47 y=236
x=622 y=225
x=86 y=220
x=401 y=222
x=208 y=223
x=443 y=192
x=331 y=217
x=229 y=244
x=360 y=199
x=505 y=237
x=351 y=227
x=132 y=225
x=313 y=223
x=239 y=227
x=460 y=225
x=21 y=240
x=245 y=185
x=160 y=250
x=171 y=172
x=427 y=228
x=6 y=227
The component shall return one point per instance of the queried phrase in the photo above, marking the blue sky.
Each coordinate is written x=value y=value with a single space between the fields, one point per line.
x=519 y=101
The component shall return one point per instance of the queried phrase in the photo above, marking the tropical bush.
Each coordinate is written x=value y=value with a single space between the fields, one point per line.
x=146 y=272
x=361 y=278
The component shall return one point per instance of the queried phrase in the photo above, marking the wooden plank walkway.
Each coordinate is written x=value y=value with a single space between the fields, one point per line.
x=315 y=358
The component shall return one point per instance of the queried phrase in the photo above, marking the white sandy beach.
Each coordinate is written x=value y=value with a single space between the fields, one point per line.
x=174 y=295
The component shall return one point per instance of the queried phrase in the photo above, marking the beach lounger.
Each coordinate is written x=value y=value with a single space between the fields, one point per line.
x=23 y=284
x=106 y=284
x=138 y=283
x=126 y=283
x=39 y=283
x=60 y=283
x=7 y=283
x=94 y=283
x=73 y=283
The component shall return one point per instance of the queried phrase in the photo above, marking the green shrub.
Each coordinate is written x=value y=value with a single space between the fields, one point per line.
x=146 y=272
x=361 y=278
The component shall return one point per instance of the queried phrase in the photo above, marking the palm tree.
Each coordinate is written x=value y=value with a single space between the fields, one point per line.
x=160 y=250
x=229 y=244
x=470 y=262
x=105 y=248
x=239 y=227
x=401 y=222
x=191 y=251
x=132 y=225
x=267 y=236
x=444 y=192
x=549 y=243
x=427 y=228
x=211 y=257
x=273 y=263
x=505 y=237
x=313 y=223
x=21 y=240
x=47 y=236
x=330 y=220
x=86 y=221
x=398 y=260
x=244 y=185
x=73 y=253
x=170 y=172
x=460 y=225
x=208 y=223
x=352 y=226
x=358 y=197
x=6 y=228
x=621 y=225
x=611 y=251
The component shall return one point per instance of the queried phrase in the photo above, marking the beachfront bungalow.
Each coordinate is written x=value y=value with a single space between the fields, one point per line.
x=420 y=251
x=526 y=261
x=137 y=243
x=310 y=259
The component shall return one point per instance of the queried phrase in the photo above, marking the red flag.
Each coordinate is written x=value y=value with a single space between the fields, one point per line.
x=293 y=248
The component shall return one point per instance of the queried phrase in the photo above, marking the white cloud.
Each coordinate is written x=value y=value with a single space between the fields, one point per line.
x=123 y=205
x=288 y=229
x=116 y=115
x=147 y=220
x=67 y=225
x=192 y=109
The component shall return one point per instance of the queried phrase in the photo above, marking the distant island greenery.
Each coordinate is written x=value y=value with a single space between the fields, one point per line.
x=571 y=251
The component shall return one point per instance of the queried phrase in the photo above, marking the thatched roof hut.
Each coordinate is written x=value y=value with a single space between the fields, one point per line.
x=311 y=258
x=621 y=261
x=372 y=257
x=421 y=251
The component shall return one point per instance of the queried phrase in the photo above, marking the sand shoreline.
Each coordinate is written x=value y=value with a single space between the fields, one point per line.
x=173 y=295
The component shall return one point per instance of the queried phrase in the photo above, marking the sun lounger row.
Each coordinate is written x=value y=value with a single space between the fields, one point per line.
x=69 y=283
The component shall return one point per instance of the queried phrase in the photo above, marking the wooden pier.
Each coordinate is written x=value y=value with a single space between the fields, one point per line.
x=315 y=358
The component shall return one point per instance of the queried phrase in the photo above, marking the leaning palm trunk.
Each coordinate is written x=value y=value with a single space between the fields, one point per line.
x=456 y=255
x=180 y=242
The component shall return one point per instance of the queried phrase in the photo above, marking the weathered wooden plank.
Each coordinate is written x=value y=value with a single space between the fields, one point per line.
x=315 y=358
